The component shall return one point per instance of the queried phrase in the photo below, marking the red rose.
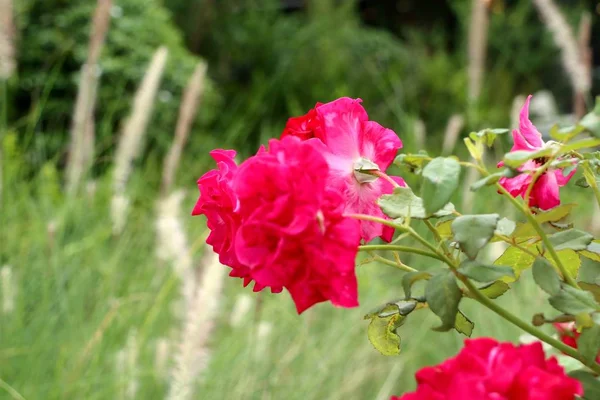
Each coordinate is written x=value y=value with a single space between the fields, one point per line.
x=293 y=233
x=302 y=127
x=569 y=335
x=488 y=370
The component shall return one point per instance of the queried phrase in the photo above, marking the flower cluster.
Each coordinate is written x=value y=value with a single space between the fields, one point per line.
x=488 y=370
x=281 y=218
x=544 y=193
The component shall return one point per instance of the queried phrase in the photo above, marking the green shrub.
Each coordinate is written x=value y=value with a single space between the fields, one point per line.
x=53 y=46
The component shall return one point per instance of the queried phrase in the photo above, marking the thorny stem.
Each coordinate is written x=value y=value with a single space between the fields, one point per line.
x=403 y=249
x=540 y=231
x=536 y=225
x=394 y=264
x=513 y=319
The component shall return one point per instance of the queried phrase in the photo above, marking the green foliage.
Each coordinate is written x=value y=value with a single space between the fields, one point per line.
x=472 y=232
x=403 y=203
x=382 y=331
x=573 y=239
x=484 y=273
x=54 y=43
x=591 y=383
x=410 y=279
x=443 y=296
x=545 y=276
x=591 y=121
x=589 y=342
x=440 y=179
x=573 y=301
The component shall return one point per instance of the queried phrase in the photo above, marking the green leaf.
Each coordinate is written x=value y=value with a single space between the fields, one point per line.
x=581 y=144
x=410 y=278
x=545 y=276
x=487 y=181
x=412 y=161
x=591 y=121
x=484 y=273
x=592 y=251
x=505 y=227
x=463 y=324
x=526 y=230
x=569 y=259
x=440 y=180
x=382 y=333
x=555 y=214
x=588 y=343
x=404 y=203
x=487 y=136
x=443 y=296
x=591 y=384
x=517 y=259
x=565 y=134
x=592 y=288
x=444 y=229
x=582 y=182
x=476 y=150
x=495 y=289
x=472 y=232
x=573 y=301
x=517 y=158
x=573 y=239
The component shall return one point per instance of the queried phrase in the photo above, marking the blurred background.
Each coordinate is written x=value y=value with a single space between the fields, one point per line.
x=108 y=110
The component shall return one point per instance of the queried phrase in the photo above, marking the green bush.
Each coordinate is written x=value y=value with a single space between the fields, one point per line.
x=53 y=46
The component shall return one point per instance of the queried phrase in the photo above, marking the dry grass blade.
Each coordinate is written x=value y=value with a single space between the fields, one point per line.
x=132 y=136
x=187 y=113
x=478 y=32
x=564 y=39
x=82 y=127
x=193 y=353
x=453 y=128
x=8 y=62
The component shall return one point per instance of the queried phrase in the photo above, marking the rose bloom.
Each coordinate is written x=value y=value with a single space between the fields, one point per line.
x=293 y=232
x=219 y=203
x=569 y=335
x=351 y=139
x=488 y=370
x=545 y=191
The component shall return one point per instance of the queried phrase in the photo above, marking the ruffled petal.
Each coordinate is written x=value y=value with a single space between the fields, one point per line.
x=379 y=144
x=527 y=129
x=342 y=120
x=545 y=193
x=561 y=179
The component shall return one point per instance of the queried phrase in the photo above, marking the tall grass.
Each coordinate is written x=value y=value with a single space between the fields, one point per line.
x=90 y=311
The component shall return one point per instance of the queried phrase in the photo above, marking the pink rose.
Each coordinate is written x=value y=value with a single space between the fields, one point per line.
x=488 y=370
x=344 y=127
x=545 y=191
x=293 y=232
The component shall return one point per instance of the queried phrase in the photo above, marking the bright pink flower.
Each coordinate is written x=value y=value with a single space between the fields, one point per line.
x=545 y=191
x=293 y=232
x=569 y=335
x=219 y=204
x=488 y=370
x=344 y=126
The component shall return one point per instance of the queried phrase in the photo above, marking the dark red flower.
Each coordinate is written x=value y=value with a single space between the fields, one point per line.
x=568 y=335
x=488 y=370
